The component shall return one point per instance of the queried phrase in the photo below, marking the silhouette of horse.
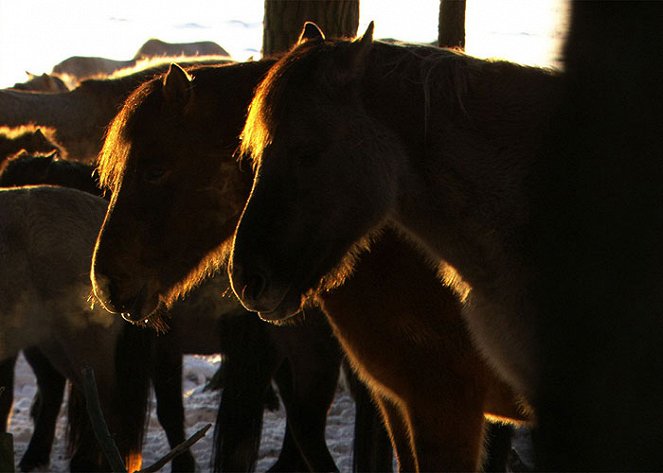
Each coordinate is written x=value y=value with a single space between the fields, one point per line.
x=80 y=68
x=42 y=83
x=155 y=47
x=205 y=324
x=44 y=305
x=196 y=171
x=348 y=137
x=80 y=117
x=25 y=137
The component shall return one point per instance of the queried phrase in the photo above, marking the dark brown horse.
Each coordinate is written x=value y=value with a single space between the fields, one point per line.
x=195 y=170
x=25 y=138
x=347 y=137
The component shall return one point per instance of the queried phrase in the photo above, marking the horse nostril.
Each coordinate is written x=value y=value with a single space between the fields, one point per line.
x=255 y=286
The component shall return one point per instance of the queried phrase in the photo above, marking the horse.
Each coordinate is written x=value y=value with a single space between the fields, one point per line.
x=42 y=83
x=80 y=116
x=25 y=137
x=44 y=305
x=303 y=360
x=192 y=125
x=81 y=68
x=449 y=150
x=154 y=47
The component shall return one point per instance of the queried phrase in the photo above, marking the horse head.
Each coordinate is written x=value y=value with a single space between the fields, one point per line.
x=320 y=185
x=176 y=189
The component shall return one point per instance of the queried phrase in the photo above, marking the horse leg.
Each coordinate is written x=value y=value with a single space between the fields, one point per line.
x=7 y=394
x=447 y=436
x=167 y=380
x=371 y=447
x=498 y=446
x=290 y=458
x=50 y=384
x=249 y=364
x=310 y=391
x=399 y=432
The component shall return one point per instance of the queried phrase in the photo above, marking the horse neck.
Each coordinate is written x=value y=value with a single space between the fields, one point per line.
x=470 y=131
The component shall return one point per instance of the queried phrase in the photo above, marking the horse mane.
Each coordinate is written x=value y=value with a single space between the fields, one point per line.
x=111 y=162
x=395 y=60
x=444 y=76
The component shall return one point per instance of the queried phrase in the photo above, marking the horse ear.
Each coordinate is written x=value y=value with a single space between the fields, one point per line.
x=310 y=32
x=177 y=86
x=355 y=58
x=363 y=45
x=30 y=75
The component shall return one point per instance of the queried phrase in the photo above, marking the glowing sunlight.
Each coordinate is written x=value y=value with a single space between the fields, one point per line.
x=35 y=35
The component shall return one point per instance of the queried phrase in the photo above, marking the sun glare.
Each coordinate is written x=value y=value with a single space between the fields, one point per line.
x=37 y=34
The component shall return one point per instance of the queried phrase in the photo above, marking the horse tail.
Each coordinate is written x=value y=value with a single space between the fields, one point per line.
x=134 y=360
x=248 y=366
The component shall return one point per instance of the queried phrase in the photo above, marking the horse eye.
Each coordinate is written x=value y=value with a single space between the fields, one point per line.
x=154 y=175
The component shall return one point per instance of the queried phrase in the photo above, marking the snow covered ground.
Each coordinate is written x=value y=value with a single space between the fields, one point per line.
x=200 y=409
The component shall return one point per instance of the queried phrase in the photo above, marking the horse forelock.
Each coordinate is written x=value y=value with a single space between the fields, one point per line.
x=269 y=100
x=121 y=134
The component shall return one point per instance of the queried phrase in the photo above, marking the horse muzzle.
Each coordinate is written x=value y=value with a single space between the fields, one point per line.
x=134 y=308
x=257 y=293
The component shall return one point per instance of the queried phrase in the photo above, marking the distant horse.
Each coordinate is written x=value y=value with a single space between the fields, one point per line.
x=25 y=137
x=79 y=117
x=191 y=124
x=81 y=68
x=45 y=304
x=304 y=359
x=155 y=47
x=42 y=83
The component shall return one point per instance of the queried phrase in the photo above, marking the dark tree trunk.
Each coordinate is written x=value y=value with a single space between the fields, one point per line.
x=451 y=26
x=284 y=20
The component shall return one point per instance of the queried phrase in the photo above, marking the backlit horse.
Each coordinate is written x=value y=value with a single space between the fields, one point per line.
x=189 y=171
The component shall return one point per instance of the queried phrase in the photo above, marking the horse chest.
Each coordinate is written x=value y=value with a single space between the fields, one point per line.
x=505 y=335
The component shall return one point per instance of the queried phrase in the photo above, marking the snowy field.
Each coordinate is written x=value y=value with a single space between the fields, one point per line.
x=200 y=407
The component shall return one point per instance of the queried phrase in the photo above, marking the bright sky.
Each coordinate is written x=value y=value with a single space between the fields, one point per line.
x=37 y=34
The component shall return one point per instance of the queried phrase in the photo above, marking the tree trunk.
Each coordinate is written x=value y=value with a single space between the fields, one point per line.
x=451 y=26
x=284 y=20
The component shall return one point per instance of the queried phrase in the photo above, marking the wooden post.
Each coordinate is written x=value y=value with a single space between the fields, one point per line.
x=284 y=20
x=451 y=25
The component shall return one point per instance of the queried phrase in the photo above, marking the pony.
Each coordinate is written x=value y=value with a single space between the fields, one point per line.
x=42 y=83
x=253 y=355
x=155 y=47
x=470 y=160
x=25 y=137
x=80 y=68
x=45 y=305
x=80 y=116
x=170 y=149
